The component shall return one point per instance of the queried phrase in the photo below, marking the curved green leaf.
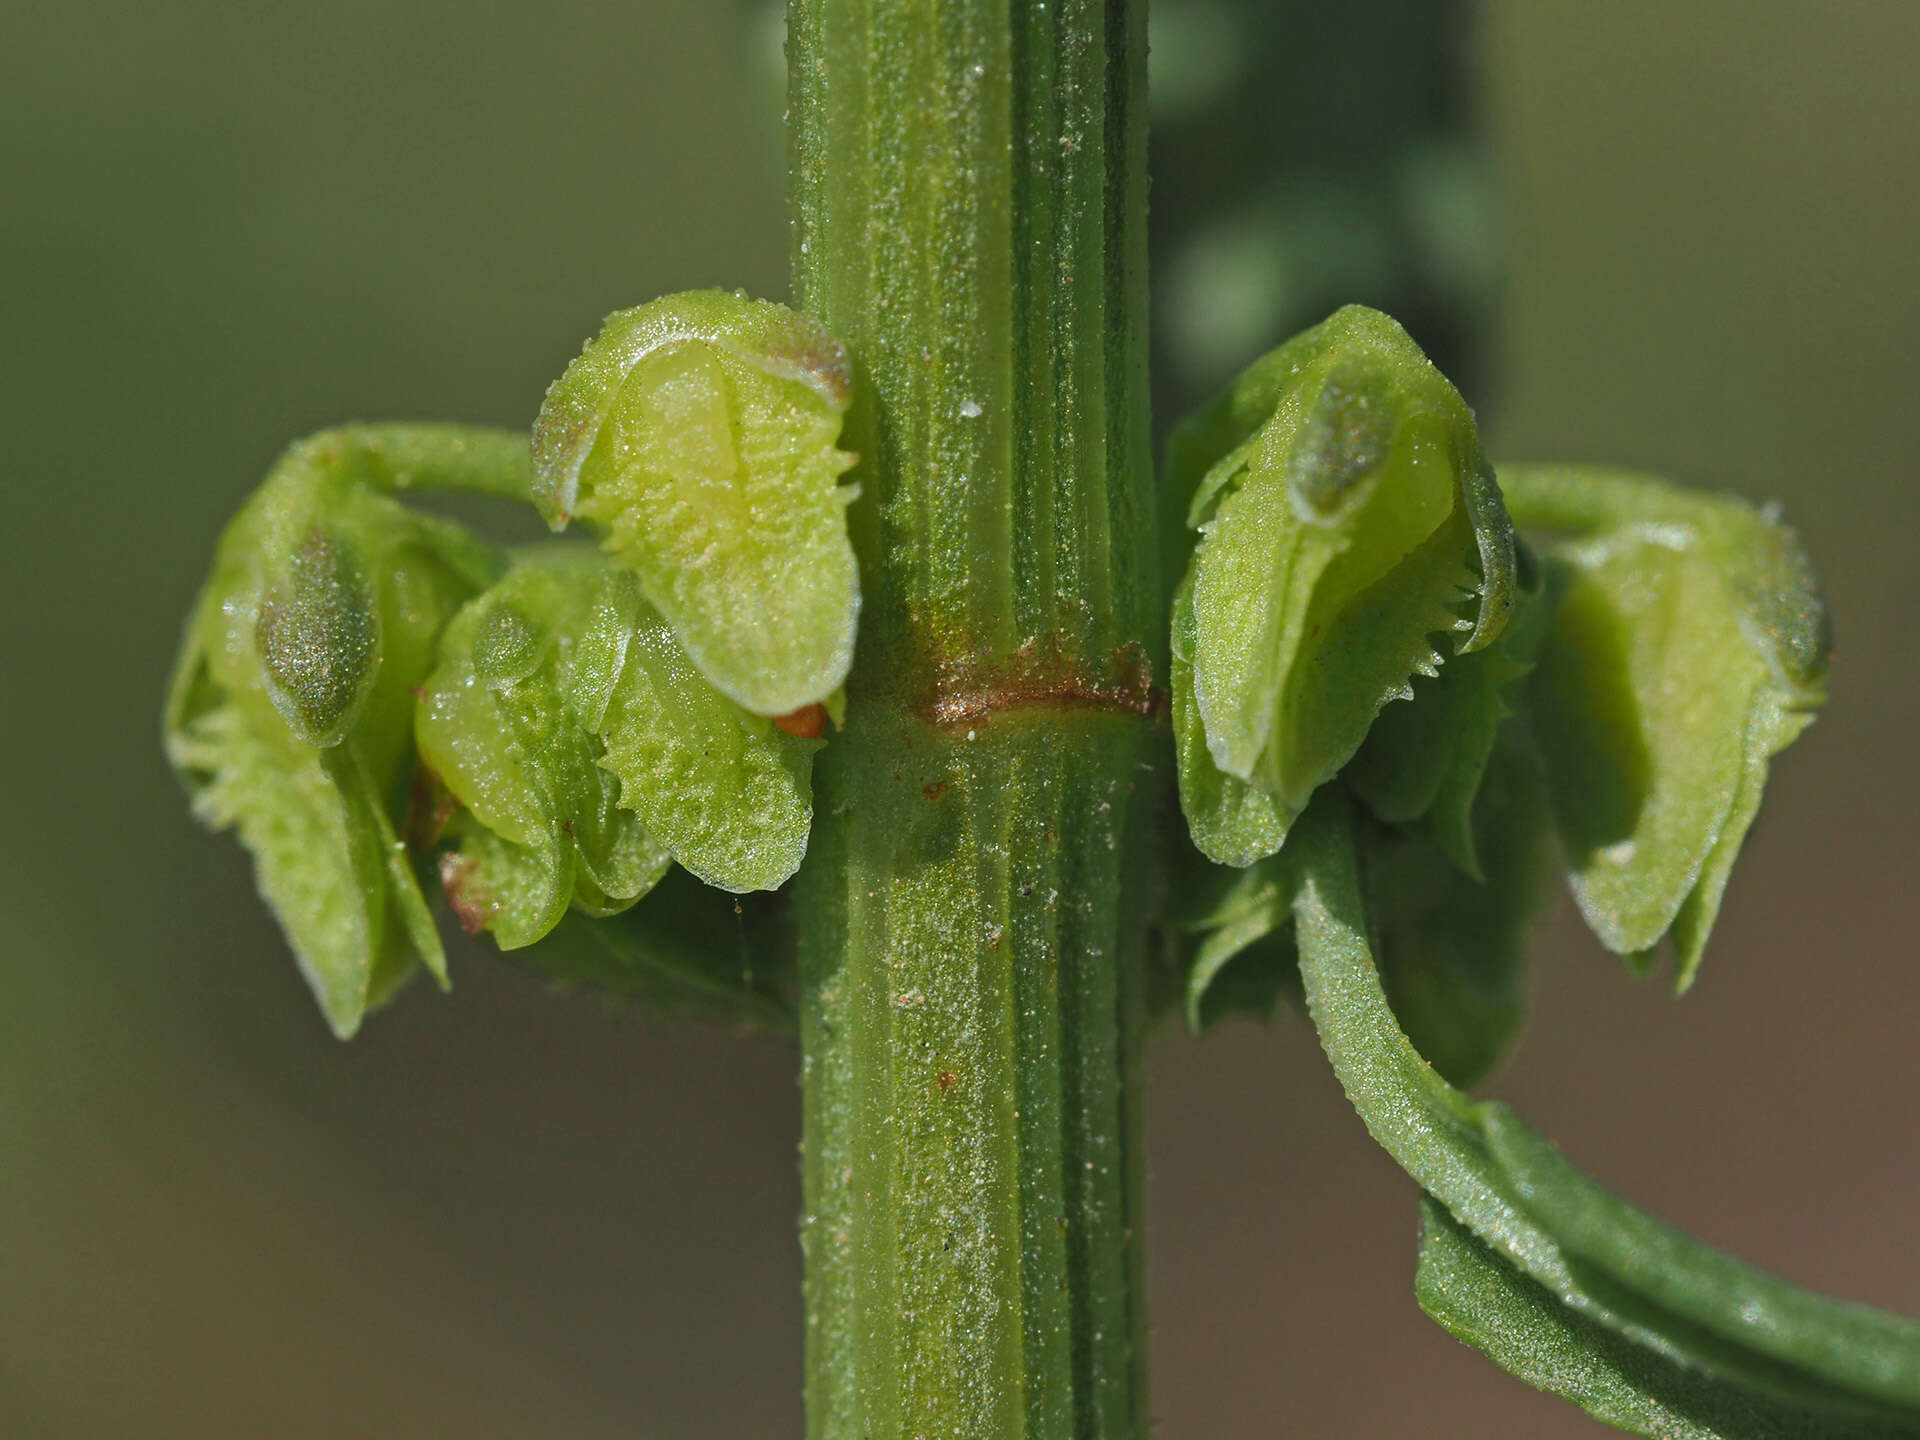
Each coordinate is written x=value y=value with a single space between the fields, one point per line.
x=1481 y=1299
x=1617 y=1268
x=1863 y=1351
x=1244 y=954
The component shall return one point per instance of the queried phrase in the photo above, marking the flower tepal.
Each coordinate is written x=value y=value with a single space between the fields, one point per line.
x=1351 y=538
x=699 y=433
x=506 y=722
x=288 y=717
x=584 y=753
x=1689 y=646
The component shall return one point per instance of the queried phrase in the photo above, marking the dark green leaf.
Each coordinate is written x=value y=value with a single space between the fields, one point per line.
x=1452 y=947
x=1251 y=982
x=1243 y=954
x=686 y=949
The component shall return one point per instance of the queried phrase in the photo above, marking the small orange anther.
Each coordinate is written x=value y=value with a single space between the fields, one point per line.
x=809 y=722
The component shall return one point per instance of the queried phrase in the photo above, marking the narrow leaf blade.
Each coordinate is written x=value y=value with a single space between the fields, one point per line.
x=1480 y=1299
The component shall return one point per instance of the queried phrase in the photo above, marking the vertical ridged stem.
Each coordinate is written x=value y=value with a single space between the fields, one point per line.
x=969 y=197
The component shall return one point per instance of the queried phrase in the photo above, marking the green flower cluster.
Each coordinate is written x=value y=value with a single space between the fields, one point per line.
x=1357 y=609
x=562 y=723
x=290 y=715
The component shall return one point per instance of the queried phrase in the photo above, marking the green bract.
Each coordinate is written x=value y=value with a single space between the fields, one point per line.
x=1351 y=538
x=289 y=712
x=1231 y=821
x=1688 y=647
x=507 y=722
x=699 y=432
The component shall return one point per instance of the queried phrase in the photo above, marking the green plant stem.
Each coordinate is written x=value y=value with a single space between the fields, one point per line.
x=459 y=459
x=969 y=196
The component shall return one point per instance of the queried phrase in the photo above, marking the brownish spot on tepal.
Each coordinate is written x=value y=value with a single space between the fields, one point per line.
x=430 y=805
x=935 y=790
x=945 y=1081
x=471 y=905
x=977 y=688
x=809 y=722
x=803 y=348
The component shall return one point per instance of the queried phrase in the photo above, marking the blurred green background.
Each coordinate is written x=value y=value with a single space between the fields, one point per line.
x=502 y=1213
